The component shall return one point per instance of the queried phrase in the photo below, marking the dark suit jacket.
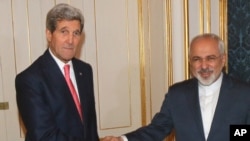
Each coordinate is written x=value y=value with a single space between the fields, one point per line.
x=47 y=107
x=181 y=111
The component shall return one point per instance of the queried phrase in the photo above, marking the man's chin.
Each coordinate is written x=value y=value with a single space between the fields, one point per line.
x=206 y=81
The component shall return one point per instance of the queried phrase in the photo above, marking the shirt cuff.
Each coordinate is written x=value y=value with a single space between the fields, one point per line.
x=124 y=138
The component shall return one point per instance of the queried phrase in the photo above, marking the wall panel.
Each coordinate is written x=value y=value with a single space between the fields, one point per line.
x=117 y=65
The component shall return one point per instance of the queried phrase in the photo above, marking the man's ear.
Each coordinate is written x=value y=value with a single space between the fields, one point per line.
x=224 y=58
x=48 y=35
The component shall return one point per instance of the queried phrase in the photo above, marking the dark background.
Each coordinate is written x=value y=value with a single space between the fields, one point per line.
x=239 y=39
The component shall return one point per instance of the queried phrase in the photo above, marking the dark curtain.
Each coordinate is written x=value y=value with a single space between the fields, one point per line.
x=239 y=39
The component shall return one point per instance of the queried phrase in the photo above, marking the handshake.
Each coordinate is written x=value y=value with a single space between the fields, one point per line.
x=112 y=138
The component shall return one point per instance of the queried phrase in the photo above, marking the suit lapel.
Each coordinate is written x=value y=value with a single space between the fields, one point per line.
x=225 y=100
x=193 y=102
x=58 y=83
x=82 y=86
x=53 y=74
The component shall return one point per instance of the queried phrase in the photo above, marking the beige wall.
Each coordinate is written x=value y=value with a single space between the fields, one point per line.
x=128 y=43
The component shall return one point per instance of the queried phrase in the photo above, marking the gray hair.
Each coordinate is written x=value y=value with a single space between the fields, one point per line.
x=215 y=37
x=63 y=12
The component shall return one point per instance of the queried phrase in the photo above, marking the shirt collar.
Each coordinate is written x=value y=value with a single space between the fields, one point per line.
x=59 y=62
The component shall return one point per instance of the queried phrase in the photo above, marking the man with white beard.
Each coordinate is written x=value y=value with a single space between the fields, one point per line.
x=203 y=107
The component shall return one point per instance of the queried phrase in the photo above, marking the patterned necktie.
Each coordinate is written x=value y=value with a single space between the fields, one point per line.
x=72 y=90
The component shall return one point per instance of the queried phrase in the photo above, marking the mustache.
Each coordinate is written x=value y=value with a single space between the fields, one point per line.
x=205 y=70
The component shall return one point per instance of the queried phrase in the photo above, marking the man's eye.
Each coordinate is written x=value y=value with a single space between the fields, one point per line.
x=196 y=59
x=64 y=31
x=77 y=33
x=211 y=58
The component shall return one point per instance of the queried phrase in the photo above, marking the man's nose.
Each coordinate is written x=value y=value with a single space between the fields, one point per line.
x=70 y=38
x=204 y=63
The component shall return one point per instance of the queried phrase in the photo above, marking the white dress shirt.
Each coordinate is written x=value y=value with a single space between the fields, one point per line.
x=71 y=70
x=208 y=96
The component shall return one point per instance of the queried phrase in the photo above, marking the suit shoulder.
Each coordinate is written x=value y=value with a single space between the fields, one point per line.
x=81 y=63
x=184 y=84
x=33 y=68
x=82 y=66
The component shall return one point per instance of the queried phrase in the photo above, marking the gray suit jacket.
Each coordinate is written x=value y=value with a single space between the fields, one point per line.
x=181 y=112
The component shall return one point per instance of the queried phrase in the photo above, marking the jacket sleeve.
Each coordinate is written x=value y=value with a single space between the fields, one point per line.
x=160 y=126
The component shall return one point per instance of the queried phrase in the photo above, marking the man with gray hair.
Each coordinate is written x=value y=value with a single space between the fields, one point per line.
x=55 y=95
